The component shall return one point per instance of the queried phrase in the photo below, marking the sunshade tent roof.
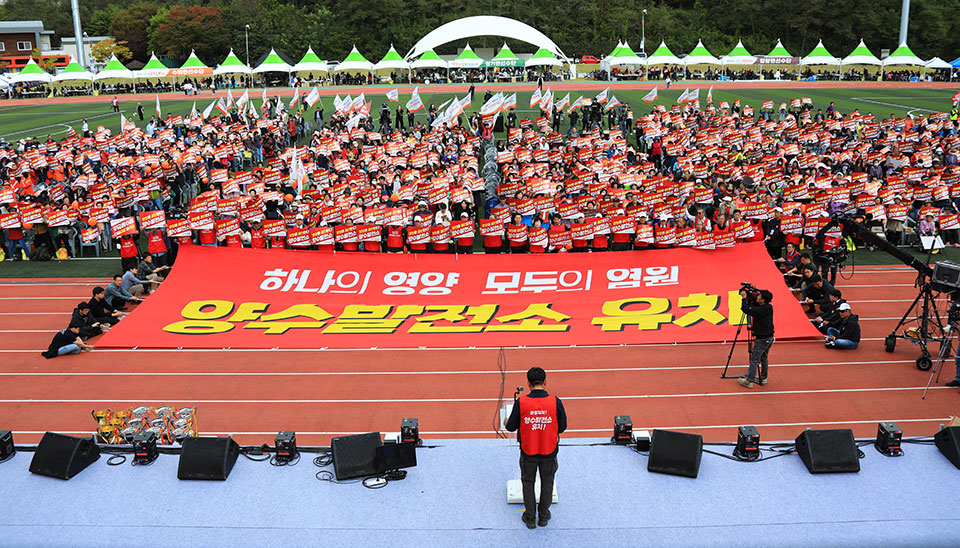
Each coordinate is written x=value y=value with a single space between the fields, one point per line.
x=392 y=61
x=861 y=55
x=354 y=61
x=153 y=69
x=311 y=63
x=272 y=63
x=543 y=57
x=73 y=72
x=232 y=65
x=31 y=73
x=483 y=25
x=938 y=63
x=700 y=56
x=820 y=56
x=738 y=56
x=466 y=59
x=903 y=56
x=624 y=55
x=504 y=58
x=663 y=56
x=779 y=51
x=114 y=71
x=429 y=59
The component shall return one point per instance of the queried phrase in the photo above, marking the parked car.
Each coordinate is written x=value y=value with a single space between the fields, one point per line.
x=589 y=60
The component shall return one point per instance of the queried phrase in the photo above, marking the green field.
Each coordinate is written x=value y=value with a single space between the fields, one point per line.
x=18 y=122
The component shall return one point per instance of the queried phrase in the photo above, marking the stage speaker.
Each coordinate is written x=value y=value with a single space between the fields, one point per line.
x=355 y=456
x=675 y=453
x=948 y=442
x=828 y=451
x=207 y=458
x=63 y=457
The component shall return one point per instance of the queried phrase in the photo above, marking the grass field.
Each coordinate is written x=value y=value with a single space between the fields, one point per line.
x=18 y=122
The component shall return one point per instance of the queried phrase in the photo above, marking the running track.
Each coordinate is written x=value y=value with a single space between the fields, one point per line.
x=254 y=394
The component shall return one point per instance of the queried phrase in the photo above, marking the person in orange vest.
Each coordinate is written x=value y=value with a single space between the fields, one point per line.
x=157 y=247
x=394 y=242
x=538 y=419
x=373 y=246
x=129 y=253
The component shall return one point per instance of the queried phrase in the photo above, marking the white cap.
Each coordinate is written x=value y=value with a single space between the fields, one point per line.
x=843 y=306
x=780 y=209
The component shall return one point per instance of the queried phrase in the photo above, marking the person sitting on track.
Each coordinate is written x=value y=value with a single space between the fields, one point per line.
x=101 y=310
x=67 y=341
x=118 y=297
x=90 y=326
x=829 y=316
x=846 y=336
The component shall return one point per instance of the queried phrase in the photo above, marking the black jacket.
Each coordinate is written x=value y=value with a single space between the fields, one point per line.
x=850 y=329
x=513 y=423
x=762 y=316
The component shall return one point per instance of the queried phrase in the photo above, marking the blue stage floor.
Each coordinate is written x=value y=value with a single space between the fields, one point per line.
x=457 y=497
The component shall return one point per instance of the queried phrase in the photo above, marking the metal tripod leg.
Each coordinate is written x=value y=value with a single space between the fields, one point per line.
x=937 y=367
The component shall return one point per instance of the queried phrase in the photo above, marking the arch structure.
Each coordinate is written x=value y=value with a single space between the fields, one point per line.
x=483 y=25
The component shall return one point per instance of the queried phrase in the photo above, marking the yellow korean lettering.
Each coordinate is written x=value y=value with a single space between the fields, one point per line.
x=617 y=315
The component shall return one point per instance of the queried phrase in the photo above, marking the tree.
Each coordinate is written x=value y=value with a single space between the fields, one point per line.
x=199 y=28
x=104 y=49
x=101 y=21
x=130 y=26
x=46 y=63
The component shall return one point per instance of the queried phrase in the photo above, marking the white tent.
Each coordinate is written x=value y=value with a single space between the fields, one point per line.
x=392 y=61
x=429 y=59
x=354 y=61
x=820 y=56
x=113 y=71
x=543 y=57
x=311 y=63
x=663 y=56
x=938 y=63
x=903 y=56
x=31 y=73
x=738 y=56
x=624 y=56
x=861 y=55
x=272 y=63
x=700 y=56
x=483 y=25
x=231 y=65
x=74 y=73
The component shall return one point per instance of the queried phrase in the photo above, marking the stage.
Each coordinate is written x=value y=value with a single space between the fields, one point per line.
x=456 y=496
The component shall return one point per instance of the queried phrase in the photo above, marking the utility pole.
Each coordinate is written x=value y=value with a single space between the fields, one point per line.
x=904 y=21
x=78 y=34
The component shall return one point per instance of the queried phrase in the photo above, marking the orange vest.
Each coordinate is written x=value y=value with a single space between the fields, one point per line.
x=538 y=433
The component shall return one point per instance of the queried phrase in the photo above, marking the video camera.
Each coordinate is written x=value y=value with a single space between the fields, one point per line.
x=834 y=256
x=751 y=291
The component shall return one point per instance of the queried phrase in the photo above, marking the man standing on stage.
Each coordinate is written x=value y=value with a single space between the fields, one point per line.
x=538 y=419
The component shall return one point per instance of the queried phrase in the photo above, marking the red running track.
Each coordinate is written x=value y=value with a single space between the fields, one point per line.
x=454 y=392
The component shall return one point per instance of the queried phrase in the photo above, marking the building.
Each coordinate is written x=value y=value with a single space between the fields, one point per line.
x=18 y=38
x=68 y=45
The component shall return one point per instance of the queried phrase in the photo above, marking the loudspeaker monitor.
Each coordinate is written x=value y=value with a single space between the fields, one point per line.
x=675 y=453
x=60 y=456
x=948 y=442
x=828 y=451
x=355 y=456
x=207 y=458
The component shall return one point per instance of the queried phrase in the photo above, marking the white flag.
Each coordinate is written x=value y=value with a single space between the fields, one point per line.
x=336 y=102
x=492 y=106
x=613 y=102
x=710 y=95
x=358 y=102
x=296 y=97
x=264 y=96
x=207 y=111
x=535 y=98
x=693 y=96
x=576 y=104
x=546 y=101
x=415 y=104
x=354 y=121
x=243 y=100
x=253 y=112
x=602 y=98
x=193 y=111
x=563 y=102
x=393 y=95
x=650 y=97
x=312 y=98
x=346 y=104
x=158 y=105
x=509 y=102
x=229 y=98
x=123 y=123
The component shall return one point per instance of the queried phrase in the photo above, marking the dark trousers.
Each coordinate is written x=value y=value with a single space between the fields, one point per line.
x=528 y=475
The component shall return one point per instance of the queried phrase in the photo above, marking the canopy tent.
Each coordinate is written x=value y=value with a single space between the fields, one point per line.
x=623 y=55
x=429 y=59
x=272 y=63
x=74 y=73
x=700 y=56
x=861 y=55
x=615 y=52
x=483 y=25
x=504 y=58
x=392 y=61
x=113 y=72
x=4 y=83
x=903 y=56
x=193 y=66
x=543 y=57
x=779 y=51
x=31 y=73
x=820 y=56
x=738 y=56
x=955 y=63
x=311 y=63
x=663 y=56
x=354 y=61
x=466 y=59
x=232 y=65
x=938 y=63
x=153 y=69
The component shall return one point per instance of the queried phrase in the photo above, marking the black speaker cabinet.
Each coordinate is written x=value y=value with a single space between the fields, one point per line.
x=207 y=458
x=675 y=453
x=63 y=457
x=948 y=442
x=355 y=456
x=828 y=451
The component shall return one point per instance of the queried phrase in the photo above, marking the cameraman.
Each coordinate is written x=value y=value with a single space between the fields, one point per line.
x=756 y=304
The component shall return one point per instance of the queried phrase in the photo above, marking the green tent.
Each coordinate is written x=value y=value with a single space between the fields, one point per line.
x=700 y=56
x=231 y=65
x=272 y=63
x=31 y=73
x=466 y=59
x=153 y=69
x=779 y=51
x=114 y=71
x=903 y=56
x=820 y=56
x=311 y=63
x=543 y=57
x=429 y=59
x=663 y=56
x=193 y=62
x=73 y=73
x=738 y=56
x=392 y=61
x=504 y=58
x=355 y=61
x=861 y=55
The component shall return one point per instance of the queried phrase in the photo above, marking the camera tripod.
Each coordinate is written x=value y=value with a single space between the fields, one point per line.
x=734 y=345
x=938 y=366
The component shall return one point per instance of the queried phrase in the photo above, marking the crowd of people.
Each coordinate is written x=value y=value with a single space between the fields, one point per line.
x=591 y=177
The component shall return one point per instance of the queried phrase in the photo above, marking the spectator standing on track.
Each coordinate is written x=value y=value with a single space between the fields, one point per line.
x=847 y=335
x=67 y=341
x=539 y=419
x=761 y=312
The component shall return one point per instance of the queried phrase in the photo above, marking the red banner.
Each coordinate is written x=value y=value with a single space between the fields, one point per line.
x=298 y=299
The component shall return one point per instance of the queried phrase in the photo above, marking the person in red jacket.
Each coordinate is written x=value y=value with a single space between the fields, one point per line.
x=517 y=233
x=157 y=247
x=257 y=239
x=539 y=419
x=465 y=242
x=129 y=252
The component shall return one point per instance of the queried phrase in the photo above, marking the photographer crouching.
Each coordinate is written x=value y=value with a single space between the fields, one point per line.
x=755 y=303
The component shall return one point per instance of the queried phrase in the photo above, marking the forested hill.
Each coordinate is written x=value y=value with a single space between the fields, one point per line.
x=579 y=27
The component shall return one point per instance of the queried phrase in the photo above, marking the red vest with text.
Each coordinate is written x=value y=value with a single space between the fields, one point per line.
x=128 y=248
x=208 y=237
x=185 y=240
x=372 y=246
x=278 y=242
x=155 y=243
x=465 y=241
x=578 y=242
x=233 y=240
x=257 y=240
x=395 y=238
x=538 y=433
x=600 y=241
